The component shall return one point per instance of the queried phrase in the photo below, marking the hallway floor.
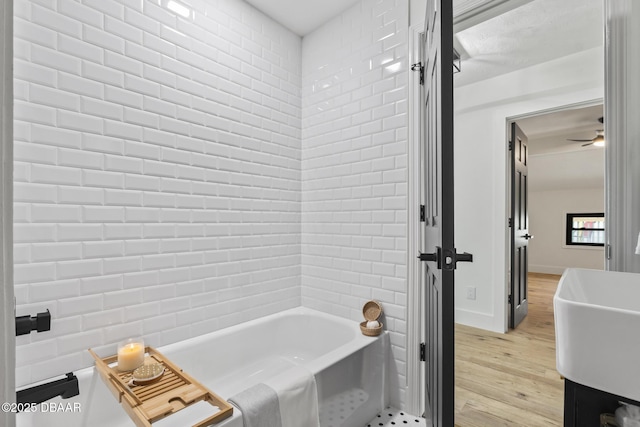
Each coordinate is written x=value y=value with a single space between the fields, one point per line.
x=511 y=379
x=505 y=379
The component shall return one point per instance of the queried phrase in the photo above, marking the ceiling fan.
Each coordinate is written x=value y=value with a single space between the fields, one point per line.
x=598 y=141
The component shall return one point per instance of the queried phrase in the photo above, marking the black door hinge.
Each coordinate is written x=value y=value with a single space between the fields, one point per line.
x=510 y=299
x=510 y=145
x=423 y=216
x=510 y=222
x=419 y=67
x=423 y=352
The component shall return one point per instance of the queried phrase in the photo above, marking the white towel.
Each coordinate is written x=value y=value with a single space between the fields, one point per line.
x=298 y=397
x=259 y=406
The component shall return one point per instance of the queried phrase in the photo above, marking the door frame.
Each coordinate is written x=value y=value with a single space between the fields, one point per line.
x=414 y=296
x=7 y=318
x=508 y=121
x=413 y=397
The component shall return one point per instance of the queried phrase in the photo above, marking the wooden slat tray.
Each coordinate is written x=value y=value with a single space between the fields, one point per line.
x=149 y=403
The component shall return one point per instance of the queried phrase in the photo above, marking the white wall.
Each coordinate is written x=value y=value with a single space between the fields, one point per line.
x=548 y=252
x=561 y=183
x=482 y=110
x=157 y=173
x=354 y=163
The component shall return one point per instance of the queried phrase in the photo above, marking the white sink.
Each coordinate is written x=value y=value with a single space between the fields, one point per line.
x=597 y=318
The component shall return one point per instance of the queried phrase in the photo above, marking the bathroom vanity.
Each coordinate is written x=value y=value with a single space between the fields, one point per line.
x=583 y=405
x=597 y=321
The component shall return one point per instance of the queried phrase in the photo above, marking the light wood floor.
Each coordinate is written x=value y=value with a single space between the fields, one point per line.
x=511 y=379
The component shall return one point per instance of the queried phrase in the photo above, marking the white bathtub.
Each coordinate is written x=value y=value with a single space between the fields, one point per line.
x=350 y=371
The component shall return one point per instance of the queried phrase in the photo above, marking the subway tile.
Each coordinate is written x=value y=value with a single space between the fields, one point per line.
x=78 y=232
x=140 y=53
x=32 y=233
x=55 y=213
x=138 y=214
x=122 y=29
x=34 y=153
x=124 y=298
x=75 y=269
x=122 y=231
x=216 y=155
x=122 y=198
x=140 y=118
x=121 y=265
x=55 y=175
x=98 y=108
x=103 y=74
x=81 y=13
x=103 y=144
x=76 y=84
x=141 y=21
x=101 y=284
x=80 y=159
x=108 y=7
x=34 y=113
x=27 y=31
x=54 y=98
x=102 y=249
x=50 y=291
x=103 y=214
x=121 y=332
x=33 y=273
x=55 y=21
x=102 y=319
x=94 y=178
x=123 y=97
x=143 y=86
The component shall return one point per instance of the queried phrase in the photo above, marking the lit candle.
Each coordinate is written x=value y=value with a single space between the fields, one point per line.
x=130 y=354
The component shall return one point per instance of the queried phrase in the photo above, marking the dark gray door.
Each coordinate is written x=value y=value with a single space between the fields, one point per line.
x=437 y=242
x=519 y=304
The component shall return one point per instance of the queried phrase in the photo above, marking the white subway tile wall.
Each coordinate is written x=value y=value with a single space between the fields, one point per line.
x=157 y=173
x=354 y=163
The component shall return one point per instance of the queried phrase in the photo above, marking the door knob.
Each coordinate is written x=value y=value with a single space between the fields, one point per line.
x=528 y=236
x=428 y=257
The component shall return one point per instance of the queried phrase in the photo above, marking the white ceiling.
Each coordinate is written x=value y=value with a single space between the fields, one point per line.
x=302 y=16
x=549 y=133
x=538 y=31
x=554 y=162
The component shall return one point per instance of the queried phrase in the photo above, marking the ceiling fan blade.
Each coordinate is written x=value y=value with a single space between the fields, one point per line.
x=585 y=145
x=580 y=140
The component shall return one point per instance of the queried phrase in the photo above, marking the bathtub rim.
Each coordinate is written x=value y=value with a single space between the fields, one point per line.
x=85 y=375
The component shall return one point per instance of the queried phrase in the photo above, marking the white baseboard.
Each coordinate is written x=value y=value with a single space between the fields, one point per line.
x=546 y=269
x=477 y=320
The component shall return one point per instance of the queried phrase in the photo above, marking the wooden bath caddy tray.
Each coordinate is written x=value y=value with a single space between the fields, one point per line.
x=149 y=403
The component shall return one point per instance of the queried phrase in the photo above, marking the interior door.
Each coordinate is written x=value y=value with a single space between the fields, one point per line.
x=519 y=222
x=437 y=244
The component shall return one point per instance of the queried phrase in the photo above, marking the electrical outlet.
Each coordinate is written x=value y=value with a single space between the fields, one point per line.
x=471 y=292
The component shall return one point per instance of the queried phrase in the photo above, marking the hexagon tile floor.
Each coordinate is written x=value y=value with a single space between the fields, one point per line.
x=392 y=417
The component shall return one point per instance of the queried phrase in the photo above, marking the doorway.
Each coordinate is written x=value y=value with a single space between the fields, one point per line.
x=563 y=200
